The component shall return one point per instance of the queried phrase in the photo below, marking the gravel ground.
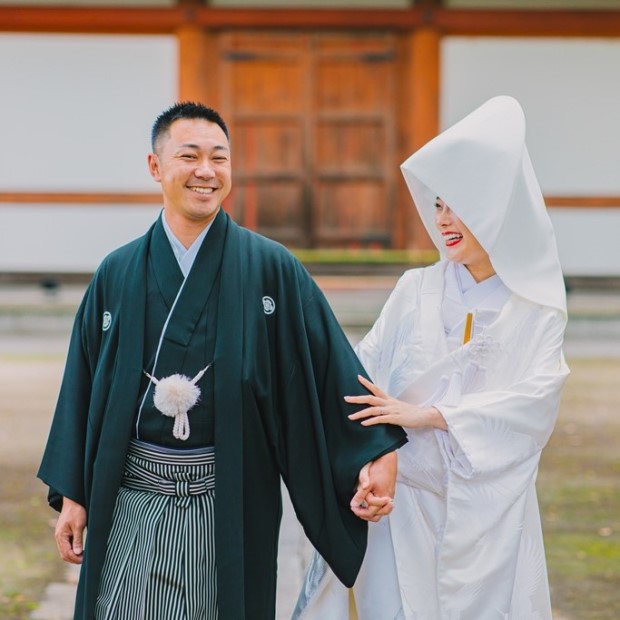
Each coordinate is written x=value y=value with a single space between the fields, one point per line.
x=34 y=328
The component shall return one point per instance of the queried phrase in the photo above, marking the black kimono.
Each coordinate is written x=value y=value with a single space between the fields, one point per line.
x=281 y=366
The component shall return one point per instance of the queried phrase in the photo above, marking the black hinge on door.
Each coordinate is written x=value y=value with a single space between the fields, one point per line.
x=378 y=56
x=237 y=56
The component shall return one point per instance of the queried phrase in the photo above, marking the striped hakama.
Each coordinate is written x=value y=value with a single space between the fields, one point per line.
x=160 y=558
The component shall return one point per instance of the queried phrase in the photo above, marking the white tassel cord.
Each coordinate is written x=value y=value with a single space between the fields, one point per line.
x=174 y=396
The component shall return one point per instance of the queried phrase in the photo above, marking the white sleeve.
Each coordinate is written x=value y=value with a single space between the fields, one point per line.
x=381 y=341
x=493 y=430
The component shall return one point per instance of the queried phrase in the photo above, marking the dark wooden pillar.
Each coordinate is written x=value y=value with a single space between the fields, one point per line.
x=198 y=65
x=419 y=119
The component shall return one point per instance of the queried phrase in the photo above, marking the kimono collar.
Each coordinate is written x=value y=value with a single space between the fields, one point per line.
x=472 y=293
x=185 y=256
x=482 y=170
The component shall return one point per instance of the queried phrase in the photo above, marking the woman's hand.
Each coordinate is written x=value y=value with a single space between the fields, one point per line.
x=383 y=409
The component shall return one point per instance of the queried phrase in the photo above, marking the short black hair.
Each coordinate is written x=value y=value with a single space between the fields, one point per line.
x=181 y=110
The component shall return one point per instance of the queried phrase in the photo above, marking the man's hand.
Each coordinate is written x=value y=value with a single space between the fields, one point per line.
x=70 y=531
x=375 y=492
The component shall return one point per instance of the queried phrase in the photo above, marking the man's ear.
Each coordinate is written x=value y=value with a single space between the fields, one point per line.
x=153 y=163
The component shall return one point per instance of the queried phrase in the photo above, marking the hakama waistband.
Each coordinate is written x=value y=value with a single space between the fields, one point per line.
x=180 y=473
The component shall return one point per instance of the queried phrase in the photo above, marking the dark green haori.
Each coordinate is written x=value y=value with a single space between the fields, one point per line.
x=272 y=405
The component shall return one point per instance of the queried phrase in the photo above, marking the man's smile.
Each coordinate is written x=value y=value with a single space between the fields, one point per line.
x=201 y=190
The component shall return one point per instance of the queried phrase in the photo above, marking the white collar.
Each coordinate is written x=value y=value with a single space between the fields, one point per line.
x=463 y=295
x=185 y=256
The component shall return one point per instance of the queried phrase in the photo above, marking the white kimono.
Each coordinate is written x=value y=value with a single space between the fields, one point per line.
x=464 y=541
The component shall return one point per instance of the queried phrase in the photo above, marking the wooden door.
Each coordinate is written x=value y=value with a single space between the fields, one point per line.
x=312 y=124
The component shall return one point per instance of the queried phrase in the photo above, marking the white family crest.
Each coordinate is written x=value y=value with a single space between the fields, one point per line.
x=483 y=346
x=269 y=305
x=106 y=322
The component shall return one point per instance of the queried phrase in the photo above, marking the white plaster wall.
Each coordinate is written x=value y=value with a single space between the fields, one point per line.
x=80 y=109
x=76 y=117
x=67 y=238
x=587 y=241
x=77 y=110
x=570 y=92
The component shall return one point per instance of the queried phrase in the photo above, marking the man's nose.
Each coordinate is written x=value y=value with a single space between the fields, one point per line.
x=204 y=170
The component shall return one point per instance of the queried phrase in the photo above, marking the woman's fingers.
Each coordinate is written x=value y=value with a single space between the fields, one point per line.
x=369 y=385
x=381 y=410
x=368 y=412
x=377 y=398
x=382 y=419
x=365 y=399
x=376 y=415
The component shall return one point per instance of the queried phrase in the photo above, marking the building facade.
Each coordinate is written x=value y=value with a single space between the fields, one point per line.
x=324 y=99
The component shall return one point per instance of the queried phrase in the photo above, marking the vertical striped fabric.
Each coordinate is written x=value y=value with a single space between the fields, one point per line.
x=160 y=559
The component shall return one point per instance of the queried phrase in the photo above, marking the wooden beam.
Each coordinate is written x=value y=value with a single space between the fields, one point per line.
x=91 y=19
x=583 y=202
x=348 y=19
x=149 y=198
x=77 y=198
x=528 y=23
x=167 y=20
x=475 y=22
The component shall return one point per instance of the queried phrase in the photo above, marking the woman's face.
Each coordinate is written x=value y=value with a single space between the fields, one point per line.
x=460 y=245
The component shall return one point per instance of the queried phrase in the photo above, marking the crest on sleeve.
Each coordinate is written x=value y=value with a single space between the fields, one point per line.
x=269 y=305
x=106 y=322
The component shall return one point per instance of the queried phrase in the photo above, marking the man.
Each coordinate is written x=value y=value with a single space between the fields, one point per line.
x=225 y=334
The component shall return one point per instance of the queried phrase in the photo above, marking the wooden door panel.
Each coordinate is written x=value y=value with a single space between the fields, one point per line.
x=350 y=147
x=352 y=213
x=269 y=174
x=354 y=72
x=266 y=72
x=267 y=85
x=245 y=43
x=267 y=147
x=375 y=45
x=353 y=146
x=312 y=134
x=272 y=208
x=352 y=85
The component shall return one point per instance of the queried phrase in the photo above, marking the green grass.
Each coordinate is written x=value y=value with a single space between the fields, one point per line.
x=366 y=256
x=29 y=558
x=579 y=494
x=578 y=487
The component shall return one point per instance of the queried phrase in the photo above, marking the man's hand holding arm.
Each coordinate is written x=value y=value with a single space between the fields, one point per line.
x=70 y=531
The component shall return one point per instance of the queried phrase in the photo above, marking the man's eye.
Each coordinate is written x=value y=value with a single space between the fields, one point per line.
x=188 y=156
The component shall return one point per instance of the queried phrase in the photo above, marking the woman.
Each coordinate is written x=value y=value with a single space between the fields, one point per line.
x=467 y=357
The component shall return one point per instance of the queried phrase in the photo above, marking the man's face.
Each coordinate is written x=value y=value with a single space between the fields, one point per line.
x=192 y=163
